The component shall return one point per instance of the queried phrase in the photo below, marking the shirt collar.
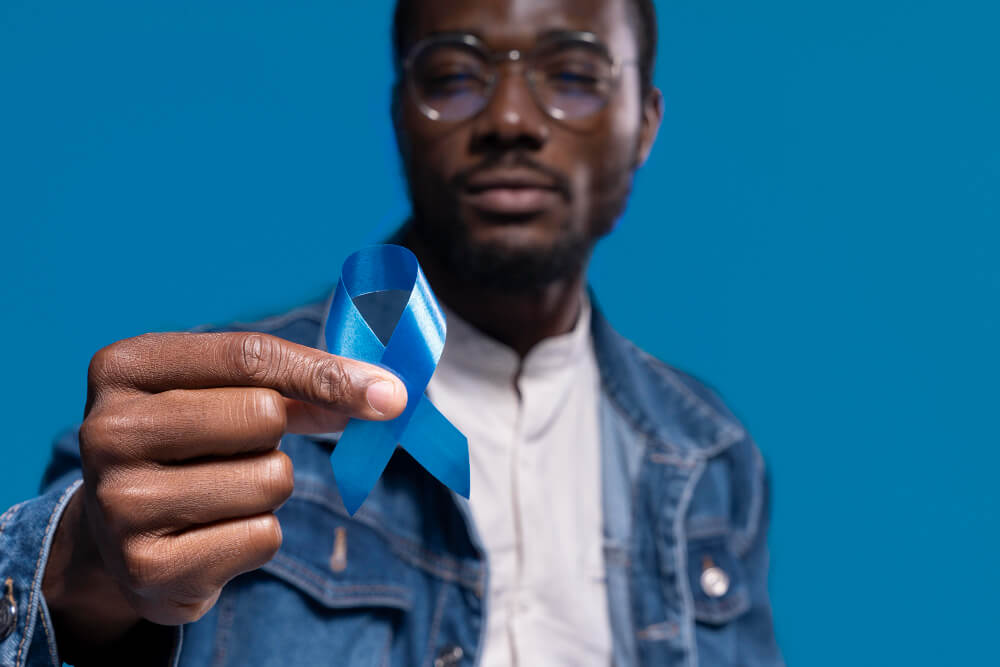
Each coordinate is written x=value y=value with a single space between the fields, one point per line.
x=469 y=350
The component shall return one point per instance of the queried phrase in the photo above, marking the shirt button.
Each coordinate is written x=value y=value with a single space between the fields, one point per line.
x=8 y=611
x=714 y=581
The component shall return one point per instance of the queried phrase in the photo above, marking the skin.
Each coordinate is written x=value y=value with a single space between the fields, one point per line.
x=181 y=474
x=596 y=159
x=179 y=444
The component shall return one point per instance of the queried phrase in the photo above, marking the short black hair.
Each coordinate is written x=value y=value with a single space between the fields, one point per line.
x=644 y=15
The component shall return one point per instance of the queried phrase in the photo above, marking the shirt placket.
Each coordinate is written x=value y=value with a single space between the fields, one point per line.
x=520 y=487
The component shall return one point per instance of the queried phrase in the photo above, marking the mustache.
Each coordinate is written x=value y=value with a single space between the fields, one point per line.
x=560 y=181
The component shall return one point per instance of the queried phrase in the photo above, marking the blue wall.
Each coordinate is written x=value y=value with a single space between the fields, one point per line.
x=815 y=234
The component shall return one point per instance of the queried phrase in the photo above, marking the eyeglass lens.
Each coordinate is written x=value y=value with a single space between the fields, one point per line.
x=454 y=80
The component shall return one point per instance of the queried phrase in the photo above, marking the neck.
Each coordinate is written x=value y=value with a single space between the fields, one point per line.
x=518 y=319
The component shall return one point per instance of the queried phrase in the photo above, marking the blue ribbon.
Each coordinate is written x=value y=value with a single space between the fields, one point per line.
x=412 y=352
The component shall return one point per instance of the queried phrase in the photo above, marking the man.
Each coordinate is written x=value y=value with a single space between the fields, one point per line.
x=617 y=511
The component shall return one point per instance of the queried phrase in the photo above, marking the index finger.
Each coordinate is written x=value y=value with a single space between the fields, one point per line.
x=161 y=362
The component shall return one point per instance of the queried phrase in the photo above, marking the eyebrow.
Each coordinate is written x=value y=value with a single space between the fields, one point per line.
x=561 y=33
x=551 y=34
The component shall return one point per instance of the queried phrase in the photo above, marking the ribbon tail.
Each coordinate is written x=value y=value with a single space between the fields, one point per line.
x=359 y=458
x=438 y=446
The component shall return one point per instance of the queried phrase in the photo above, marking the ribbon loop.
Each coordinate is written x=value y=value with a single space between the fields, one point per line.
x=412 y=352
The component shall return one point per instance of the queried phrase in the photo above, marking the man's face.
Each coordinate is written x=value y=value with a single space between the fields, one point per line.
x=512 y=197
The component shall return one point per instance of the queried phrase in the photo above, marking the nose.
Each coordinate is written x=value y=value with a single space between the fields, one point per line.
x=512 y=118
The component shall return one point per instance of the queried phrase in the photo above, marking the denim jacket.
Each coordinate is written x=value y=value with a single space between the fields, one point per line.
x=404 y=581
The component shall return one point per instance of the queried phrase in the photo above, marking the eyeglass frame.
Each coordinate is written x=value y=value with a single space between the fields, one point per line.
x=495 y=58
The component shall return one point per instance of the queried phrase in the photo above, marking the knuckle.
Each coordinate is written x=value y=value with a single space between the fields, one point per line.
x=103 y=363
x=333 y=383
x=120 y=504
x=105 y=434
x=146 y=567
x=91 y=435
x=115 y=362
x=278 y=477
x=109 y=361
x=268 y=413
x=106 y=498
x=253 y=356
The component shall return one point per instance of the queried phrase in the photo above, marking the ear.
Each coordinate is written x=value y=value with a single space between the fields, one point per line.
x=652 y=114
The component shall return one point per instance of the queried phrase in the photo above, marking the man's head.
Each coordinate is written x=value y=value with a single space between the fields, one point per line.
x=520 y=124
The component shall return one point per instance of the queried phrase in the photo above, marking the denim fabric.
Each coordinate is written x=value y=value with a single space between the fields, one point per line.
x=26 y=532
x=404 y=581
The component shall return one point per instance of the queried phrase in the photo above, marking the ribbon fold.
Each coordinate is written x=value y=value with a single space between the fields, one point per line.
x=412 y=352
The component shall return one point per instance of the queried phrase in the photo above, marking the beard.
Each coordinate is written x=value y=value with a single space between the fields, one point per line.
x=498 y=266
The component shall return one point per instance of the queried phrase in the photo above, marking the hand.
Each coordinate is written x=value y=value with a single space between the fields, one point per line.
x=181 y=474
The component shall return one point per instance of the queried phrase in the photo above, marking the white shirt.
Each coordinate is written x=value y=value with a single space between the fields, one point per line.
x=534 y=447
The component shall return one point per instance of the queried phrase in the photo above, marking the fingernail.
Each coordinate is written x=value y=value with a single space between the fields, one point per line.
x=382 y=396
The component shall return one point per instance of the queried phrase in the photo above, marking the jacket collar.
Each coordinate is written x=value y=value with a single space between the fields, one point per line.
x=665 y=404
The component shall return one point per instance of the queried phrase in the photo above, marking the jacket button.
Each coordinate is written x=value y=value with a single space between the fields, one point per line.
x=8 y=610
x=714 y=581
x=449 y=656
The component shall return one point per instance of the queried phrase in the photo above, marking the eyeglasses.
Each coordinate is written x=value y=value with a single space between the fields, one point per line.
x=452 y=77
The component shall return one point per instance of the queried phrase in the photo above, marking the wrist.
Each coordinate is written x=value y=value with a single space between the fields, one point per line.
x=86 y=605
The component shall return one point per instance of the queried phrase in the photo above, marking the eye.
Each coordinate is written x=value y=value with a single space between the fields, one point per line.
x=573 y=71
x=573 y=78
x=571 y=81
x=452 y=78
x=449 y=82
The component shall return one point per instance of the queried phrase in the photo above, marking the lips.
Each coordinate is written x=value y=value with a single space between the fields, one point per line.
x=511 y=192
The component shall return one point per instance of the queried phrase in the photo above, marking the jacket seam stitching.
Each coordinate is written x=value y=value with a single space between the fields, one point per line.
x=50 y=640
x=661 y=631
x=683 y=582
x=633 y=649
x=35 y=583
x=691 y=401
x=611 y=389
x=745 y=541
x=393 y=595
x=293 y=564
x=671 y=460
x=670 y=376
x=442 y=567
x=7 y=516
x=712 y=527
x=701 y=407
x=435 y=625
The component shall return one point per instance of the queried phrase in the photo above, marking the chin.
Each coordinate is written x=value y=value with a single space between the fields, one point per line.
x=510 y=256
x=540 y=230
x=520 y=238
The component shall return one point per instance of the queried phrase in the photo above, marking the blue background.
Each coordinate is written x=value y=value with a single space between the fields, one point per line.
x=815 y=234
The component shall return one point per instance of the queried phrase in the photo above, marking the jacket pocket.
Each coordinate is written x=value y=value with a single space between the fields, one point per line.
x=718 y=581
x=335 y=593
x=337 y=561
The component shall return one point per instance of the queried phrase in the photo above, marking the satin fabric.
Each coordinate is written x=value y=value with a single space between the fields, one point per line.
x=412 y=353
